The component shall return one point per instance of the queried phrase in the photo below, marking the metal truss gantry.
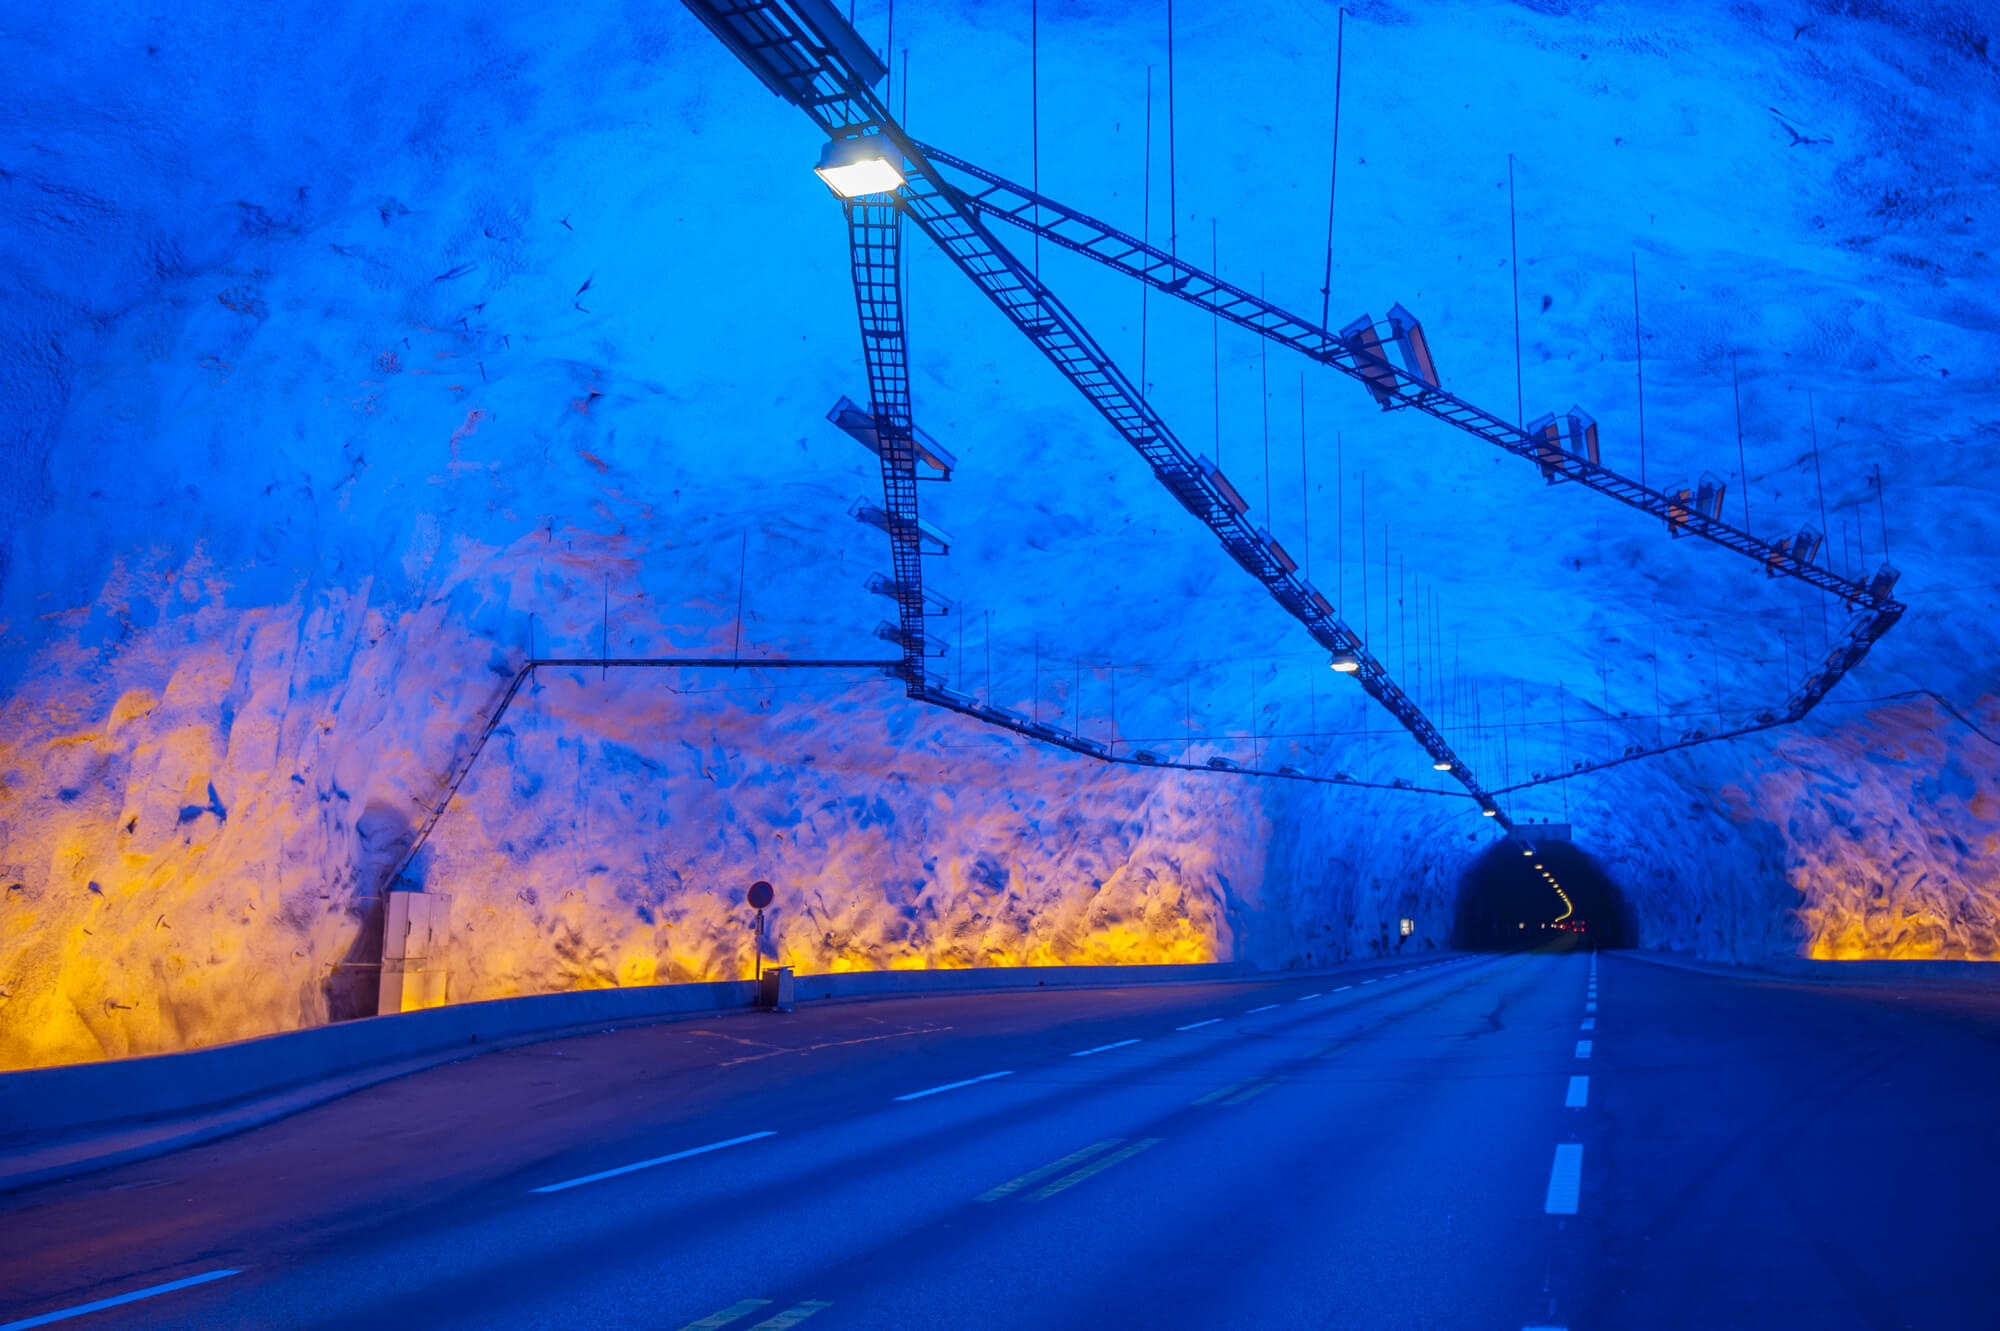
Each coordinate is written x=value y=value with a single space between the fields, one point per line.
x=1873 y=611
x=806 y=52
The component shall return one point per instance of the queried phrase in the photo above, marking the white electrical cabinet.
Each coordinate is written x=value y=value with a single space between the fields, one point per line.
x=415 y=928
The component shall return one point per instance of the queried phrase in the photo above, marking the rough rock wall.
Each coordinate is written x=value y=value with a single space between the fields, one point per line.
x=613 y=824
x=199 y=830
x=344 y=358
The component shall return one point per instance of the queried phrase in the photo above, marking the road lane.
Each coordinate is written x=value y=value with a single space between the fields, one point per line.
x=427 y=1150
x=1282 y=1152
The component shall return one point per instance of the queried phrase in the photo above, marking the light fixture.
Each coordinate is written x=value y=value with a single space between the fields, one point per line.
x=869 y=164
x=1489 y=813
x=1345 y=662
x=1441 y=765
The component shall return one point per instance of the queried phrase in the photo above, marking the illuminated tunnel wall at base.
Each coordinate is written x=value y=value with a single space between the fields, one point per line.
x=324 y=404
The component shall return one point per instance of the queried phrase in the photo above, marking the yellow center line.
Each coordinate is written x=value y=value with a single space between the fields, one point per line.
x=1256 y=1089
x=793 y=1315
x=1014 y=1185
x=1094 y=1167
x=714 y=1321
x=1219 y=1092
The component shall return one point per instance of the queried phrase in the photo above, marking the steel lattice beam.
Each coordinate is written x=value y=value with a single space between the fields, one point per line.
x=1877 y=612
x=804 y=51
x=875 y=247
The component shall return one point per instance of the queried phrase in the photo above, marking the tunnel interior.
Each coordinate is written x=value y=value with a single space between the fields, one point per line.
x=1522 y=894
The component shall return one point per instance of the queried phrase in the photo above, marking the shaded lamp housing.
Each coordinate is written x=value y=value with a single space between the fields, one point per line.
x=868 y=164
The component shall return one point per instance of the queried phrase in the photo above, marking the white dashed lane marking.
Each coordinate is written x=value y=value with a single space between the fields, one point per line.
x=1583 y=1049
x=668 y=1159
x=1103 y=1048
x=1565 y=1180
x=953 y=1085
x=1579 y=1093
x=1590 y=1023
x=1197 y=1025
x=98 y=1305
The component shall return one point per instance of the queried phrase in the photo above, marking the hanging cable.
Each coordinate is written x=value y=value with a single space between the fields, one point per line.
x=1882 y=508
x=1035 y=117
x=1333 y=174
x=1813 y=420
x=1215 y=336
x=1146 y=231
x=1514 y=265
x=1742 y=467
x=1264 y=373
x=1639 y=367
x=1305 y=484
x=1173 y=197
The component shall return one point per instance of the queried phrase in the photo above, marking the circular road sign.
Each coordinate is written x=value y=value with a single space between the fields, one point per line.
x=759 y=895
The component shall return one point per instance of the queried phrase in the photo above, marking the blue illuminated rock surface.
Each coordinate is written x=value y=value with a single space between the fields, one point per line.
x=335 y=352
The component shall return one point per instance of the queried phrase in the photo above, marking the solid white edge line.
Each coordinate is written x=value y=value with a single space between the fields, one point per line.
x=1266 y=1008
x=116 y=1300
x=1103 y=1047
x=1565 y=1180
x=954 y=1085
x=1197 y=1025
x=645 y=1164
x=1583 y=1049
x=1579 y=1093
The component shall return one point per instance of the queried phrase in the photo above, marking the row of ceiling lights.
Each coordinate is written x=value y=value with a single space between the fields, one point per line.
x=1347 y=663
x=1569 y=907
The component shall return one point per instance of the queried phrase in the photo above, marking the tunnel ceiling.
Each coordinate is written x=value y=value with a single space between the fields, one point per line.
x=390 y=332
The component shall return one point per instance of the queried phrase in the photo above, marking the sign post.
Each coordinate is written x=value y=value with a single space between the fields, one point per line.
x=759 y=896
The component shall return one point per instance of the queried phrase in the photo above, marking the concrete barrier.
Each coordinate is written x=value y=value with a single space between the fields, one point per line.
x=59 y=1121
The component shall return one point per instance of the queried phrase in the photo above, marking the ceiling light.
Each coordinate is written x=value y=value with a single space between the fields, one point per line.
x=1489 y=813
x=1441 y=765
x=869 y=164
x=1345 y=662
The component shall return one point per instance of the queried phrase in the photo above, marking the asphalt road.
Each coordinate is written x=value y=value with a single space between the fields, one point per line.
x=1442 y=1143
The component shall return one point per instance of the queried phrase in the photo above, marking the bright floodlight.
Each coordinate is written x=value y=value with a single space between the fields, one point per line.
x=866 y=165
x=1345 y=662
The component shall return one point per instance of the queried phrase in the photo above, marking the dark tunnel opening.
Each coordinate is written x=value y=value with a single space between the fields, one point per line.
x=1527 y=894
